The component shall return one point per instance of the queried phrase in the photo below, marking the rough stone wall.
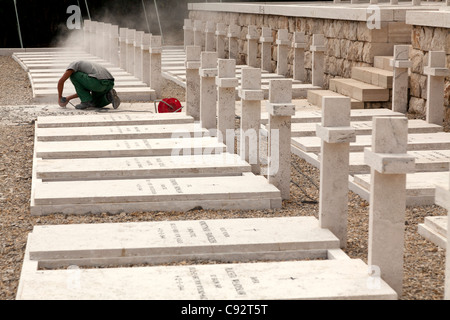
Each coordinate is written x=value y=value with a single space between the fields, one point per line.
x=349 y=43
x=425 y=39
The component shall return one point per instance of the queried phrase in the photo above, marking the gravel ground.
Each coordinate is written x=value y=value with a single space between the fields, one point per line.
x=424 y=262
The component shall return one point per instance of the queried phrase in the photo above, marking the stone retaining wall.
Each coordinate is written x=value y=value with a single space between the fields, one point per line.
x=425 y=39
x=349 y=43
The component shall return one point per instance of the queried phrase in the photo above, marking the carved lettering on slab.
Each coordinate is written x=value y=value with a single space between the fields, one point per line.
x=208 y=232
x=176 y=186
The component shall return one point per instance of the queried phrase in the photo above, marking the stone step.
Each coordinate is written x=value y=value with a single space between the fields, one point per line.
x=308 y=280
x=422 y=141
x=377 y=77
x=315 y=97
x=226 y=240
x=434 y=229
x=248 y=192
x=155 y=131
x=420 y=187
x=68 y=86
x=359 y=90
x=141 y=168
x=364 y=128
x=383 y=62
x=122 y=119
x=128 y=148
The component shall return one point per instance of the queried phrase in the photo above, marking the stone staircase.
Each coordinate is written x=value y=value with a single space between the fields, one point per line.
x=369 y=87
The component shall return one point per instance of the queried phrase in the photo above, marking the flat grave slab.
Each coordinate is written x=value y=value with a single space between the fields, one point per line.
x=128 y=148
x=434 y=229
x=329 y=279
x=155 y=243
x=142 y=195
x=156 y=131
x=113 y=119
x=141 y=167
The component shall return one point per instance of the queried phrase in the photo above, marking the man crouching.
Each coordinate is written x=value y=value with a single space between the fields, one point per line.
x=94 y=85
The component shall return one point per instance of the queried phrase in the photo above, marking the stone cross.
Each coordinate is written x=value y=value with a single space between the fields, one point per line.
x=99 y=39
x=299 y=44
x=283 y=44
x=281 y=110
x=266 y=41
x=155 y=64
x=192 y=65
x=389 y=164
x=318 y=59
x=443 y=199
x=336 y=135
x=131 y=35
x=221 y=33
x=233 y=45
x=114 y=47
x=436 y=72
x=138 y=54
x=401 y=65
x=145 y=62
x=227 y=82
x=188 y=33
x=123 y=48
x=87 y=36
x=198 y=33
x=92 y=38
x=251 y=96
x=210 y=36
x=107 y=42
x=252 y=46
x=208 y=90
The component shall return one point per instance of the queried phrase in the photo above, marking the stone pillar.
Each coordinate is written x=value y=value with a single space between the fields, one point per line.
x=252 y=46
x=192 y=65
x=266 y=41
x=318 y=60
x=299 y=45
x=123 y=48
x=87 y=36
x=436 y=72
x=210 y=36
x=145 y=61
x=114 y=45
x=188 y=33
x=336 y=134
x=251 y=96
x=283 y=44
x=281 y=110
x=227 y=82
x=416 y=2
x=394 y=2
x=208 y=90
x=400 y=63
x=138 y=54
x=155 y=64
x=93 y=38
x=99 y=39
x=221 y=33
x=131 y=35
x=198 y=33
x=107 y=42
x=233 y=44
x=389 y=164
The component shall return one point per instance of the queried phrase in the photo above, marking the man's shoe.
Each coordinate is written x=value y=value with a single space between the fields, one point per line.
x=112 y=97
x=85 y=105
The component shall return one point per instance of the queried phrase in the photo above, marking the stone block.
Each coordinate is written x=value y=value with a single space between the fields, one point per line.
x=390 y=163
x=336 y=135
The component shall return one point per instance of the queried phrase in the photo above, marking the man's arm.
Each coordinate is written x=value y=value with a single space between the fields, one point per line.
x=61 y=82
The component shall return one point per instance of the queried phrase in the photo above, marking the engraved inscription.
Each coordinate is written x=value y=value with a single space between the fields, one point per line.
x=161 y=233
x=160 y=162
x=147 y=144
x=192 y=233
x=198 y=283
x=176 y=186
x=225 y=232
x=176 y=232
x=235 y=281
x=150 y=185
x=216 y=281
x=208 y=232
x=179 y=282
x=127 y=144
x=139 y=187
x=139 y=164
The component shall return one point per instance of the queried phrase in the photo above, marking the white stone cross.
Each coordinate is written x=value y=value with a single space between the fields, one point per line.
x=389 y=164
x=107 y=42
x=155 y=64
x=145 y=62
x=336 y=135
x=198 y=33
x=233 y=44
x=99 y=39
x=318 y=59
x=252 y=46
x=138 y=54
x=192 y=65
x=123 y=48
x=188 y=33
x=266 y=41
x=251 y=96
x=401 y=65
x=87 y=36
x=210 y=36
x=299 y=44
x=131 y=35
x=283 y=44
x=221 y=33
x=436 y=72
x=93 y=38
x=280 y=109
x=208 y=90
x=227 y=82
x=114 y=47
